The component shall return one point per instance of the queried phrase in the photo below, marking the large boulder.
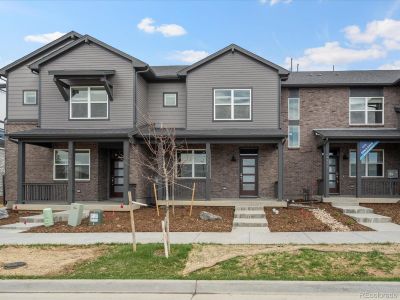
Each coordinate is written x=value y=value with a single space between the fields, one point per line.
x=207 y=216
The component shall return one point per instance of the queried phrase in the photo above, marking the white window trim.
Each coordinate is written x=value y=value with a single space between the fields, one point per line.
x=366 y=171
x=176 y=99
x=298 y=108
x=89 y=102
x=36 y=97
x=232 y=118
x=294 y=147
x=193 y=164
x=54 y=164
x=366 y=112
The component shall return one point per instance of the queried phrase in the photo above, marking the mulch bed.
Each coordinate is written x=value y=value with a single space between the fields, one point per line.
x=390 y=210
x=146 y=220
x=13 y=216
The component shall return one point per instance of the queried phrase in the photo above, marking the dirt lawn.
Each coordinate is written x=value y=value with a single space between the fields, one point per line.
x=146 y=220
x=390 y=210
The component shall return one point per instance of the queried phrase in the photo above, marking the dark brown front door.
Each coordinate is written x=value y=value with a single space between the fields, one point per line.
x=117 y=174
x=248 y=176
x=334 y=173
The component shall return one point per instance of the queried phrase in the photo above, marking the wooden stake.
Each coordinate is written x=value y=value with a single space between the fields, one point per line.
x=132 y=222
x=156 y=197
x=191 y=203
x=164 y=238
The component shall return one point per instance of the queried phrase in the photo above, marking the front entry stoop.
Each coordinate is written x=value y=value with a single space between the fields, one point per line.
x=250 y=218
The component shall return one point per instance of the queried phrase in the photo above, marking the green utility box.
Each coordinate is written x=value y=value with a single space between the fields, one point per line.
x=48 y=219
x=96 y=217
x=75 y=214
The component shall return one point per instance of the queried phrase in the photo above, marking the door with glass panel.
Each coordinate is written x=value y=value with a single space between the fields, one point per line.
x=117 y=174
x=248 y=176
x=334 y=172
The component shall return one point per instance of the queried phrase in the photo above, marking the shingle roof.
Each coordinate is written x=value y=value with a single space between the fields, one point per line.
x=338 y=78
x=167 y=71
x=359 y=134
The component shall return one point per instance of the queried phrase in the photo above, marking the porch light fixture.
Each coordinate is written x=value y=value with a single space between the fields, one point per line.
x=233 y=158
x=345 y=157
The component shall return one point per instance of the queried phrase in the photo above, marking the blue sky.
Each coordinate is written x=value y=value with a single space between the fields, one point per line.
x=317 y=34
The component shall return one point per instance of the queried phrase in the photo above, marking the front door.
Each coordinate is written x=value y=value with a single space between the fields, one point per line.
x=117 y=174
x=248 y=176
x=334 y=173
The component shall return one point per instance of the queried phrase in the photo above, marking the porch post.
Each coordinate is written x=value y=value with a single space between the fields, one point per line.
x=71 y=172
x=21 y=172
x=126 y=170
x=358 y=171
x=208 y=171
x=280 y=170
x=326 y=169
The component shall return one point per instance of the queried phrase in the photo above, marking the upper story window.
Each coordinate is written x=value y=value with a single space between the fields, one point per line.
x=366 y=110
x=293 y=109
x=30 y=97
x=82 y=164
x=232 y=104
x=88 y=103
x=170 y=99
x=371 y=166
x=192 y=163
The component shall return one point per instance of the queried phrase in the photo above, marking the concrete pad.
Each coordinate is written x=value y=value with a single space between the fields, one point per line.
x=380 y=237
x=369 y=218
x=354 y=209
x=21 y=226
x=336 y=238
x=382 y=226
x=275 y=238
x=96 y=296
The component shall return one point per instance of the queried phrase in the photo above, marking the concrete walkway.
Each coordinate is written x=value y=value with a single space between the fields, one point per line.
x=9 y=237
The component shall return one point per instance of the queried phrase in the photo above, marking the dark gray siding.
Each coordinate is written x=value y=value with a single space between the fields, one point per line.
x=232 y=70
x=142 y=104
x=168 y=116
x=55 y=111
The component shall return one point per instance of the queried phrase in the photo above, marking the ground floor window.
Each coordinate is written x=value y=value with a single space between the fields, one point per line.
x=192 y=163
x=294 y=136
x=371 y=166
x=82 y=164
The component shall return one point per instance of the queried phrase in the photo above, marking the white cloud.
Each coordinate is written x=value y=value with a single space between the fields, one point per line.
x=273 y=2
x=391 y=66
x=332 y=53
x=168 y=30
x=43 y=38
x=189 y=56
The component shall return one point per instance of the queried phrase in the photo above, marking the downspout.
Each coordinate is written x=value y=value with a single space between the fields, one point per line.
x=135 y=86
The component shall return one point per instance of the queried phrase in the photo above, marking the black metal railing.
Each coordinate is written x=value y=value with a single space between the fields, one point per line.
x=380 y=187
x=45 y=192
x=183 y=189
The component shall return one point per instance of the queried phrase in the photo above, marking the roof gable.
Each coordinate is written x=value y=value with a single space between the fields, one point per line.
x=233 y=48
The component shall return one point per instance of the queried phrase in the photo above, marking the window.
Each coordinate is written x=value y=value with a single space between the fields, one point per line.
x=293 y=109
x=232 y=104
x=82 y=164
x=88 y=103
x=192 y=163
x=371 y=165
x=170 y=99
x=30 y=97
x=294 y=136
x=366 y=110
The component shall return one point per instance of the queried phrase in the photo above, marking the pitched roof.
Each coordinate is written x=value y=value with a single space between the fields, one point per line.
x=85 y=39
x=340 y=78
x=233 y=47
x=36 y=53
x=358 y=134
x=167 y=71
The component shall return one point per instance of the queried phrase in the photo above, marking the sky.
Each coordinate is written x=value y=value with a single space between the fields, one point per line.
x=317 y=34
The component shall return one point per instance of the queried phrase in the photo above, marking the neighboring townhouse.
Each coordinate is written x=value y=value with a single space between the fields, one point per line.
x=253 y=128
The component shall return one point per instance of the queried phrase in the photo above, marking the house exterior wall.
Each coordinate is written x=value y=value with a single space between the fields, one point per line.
x=142 y=101
x=2 y=170
x=232 y=70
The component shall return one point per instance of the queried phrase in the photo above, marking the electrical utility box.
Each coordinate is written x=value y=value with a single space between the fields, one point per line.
x=48 y=219
x=75 y=214
x=96 y=217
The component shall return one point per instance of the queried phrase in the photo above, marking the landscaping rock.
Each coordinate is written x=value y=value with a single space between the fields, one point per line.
x=3 y=213
x=327 y=219
x=14 y=265
x=209 y=216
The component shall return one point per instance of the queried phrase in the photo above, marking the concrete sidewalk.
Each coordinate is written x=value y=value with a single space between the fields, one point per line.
x=8 y=237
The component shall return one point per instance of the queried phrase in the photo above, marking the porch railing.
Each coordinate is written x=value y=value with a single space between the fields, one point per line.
x=183 y=193
x=380 y=187
x=45 y=192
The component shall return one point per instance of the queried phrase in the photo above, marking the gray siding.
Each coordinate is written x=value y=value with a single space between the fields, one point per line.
x=55 y=111
x=168 y=116
x=233 y=70
x=142 y=103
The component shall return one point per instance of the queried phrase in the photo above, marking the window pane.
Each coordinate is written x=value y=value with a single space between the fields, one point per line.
x=357 y=117
x=99 y=110
x=249 y=178
x=375 y=117
x=61 y=157
x=352 y=169
x=241 y=96
x=249 y=162
x=81 y=172
x=375 y=104
x=61 y=172
x=249 y=170
x=185 y=171
x=375 y=157
x=222 y=96
x=293 y=109
x=200 y=157
x=242 y=111
x=98 y=94
x=200 y=170
x=29 y=97
x=357 y=104
x=169 y=99
x=353 y=157
x=222 y=112
x=185 y=158
x=79 y=94
x=294 y=137
x=79 y=110
x=249 y=187
x=82 y=158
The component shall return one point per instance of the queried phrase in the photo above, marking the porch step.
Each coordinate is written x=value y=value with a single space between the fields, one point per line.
x=369 y=218
x=249 y=208
x=250 y=214
x=241 y=222
x=354 y=209
x=61 y=216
